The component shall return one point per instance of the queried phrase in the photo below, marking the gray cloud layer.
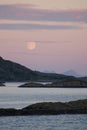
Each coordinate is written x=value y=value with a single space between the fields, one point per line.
x=35 y=27
x=20 y=12
x=28 y=12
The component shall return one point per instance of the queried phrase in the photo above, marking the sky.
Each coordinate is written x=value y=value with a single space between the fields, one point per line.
x=58 y=29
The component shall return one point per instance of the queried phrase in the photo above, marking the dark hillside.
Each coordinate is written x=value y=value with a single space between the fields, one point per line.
x=11 y=71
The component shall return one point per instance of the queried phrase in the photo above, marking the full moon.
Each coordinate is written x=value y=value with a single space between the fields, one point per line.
x=31 y=45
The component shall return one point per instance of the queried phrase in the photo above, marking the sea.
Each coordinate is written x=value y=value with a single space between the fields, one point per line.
x=13 y=97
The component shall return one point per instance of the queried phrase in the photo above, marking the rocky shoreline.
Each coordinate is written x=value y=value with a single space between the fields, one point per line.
x=48 y=108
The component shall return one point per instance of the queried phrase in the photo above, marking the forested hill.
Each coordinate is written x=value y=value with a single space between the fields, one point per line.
x=11 y=71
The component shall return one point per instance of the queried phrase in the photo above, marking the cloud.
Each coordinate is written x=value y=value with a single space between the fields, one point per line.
x=29 y=12
x=24 y=12
x=53 y=42
x=36 y=27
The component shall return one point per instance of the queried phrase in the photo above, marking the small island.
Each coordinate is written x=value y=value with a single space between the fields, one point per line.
x=67 y=83
x=32 y=84
x=48 y=108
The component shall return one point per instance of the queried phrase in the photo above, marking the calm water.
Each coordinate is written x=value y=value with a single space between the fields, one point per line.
x=12 y=96
x=59 y=122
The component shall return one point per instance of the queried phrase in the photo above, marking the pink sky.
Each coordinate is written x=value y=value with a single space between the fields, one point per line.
x=59 y=32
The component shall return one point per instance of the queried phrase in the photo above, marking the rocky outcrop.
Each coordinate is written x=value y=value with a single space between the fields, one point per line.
x=49 y=108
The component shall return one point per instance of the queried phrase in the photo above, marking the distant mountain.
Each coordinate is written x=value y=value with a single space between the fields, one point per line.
x=71 y=73
x=11 y=71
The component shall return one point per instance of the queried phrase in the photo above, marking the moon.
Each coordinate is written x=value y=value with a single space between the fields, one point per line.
x=31 y=45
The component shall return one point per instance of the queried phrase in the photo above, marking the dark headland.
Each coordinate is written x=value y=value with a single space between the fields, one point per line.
x=11 y=71
x=48 y=108
x=14 y=72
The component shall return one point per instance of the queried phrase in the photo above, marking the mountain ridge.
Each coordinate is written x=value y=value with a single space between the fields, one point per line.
x=12 y=71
